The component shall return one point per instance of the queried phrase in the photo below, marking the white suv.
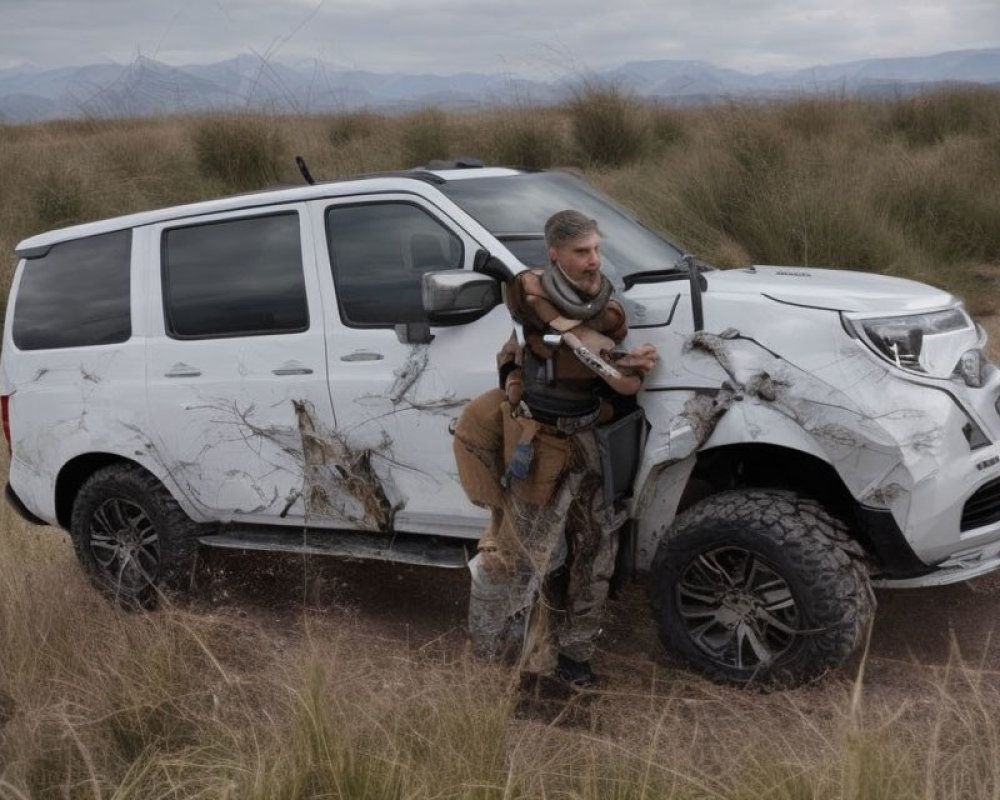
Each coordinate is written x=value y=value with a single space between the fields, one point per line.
x=279 y=371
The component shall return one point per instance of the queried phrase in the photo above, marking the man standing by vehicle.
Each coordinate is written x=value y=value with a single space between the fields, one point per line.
x=541 y=577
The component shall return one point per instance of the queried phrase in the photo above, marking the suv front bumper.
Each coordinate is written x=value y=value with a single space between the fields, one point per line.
x=952 y=571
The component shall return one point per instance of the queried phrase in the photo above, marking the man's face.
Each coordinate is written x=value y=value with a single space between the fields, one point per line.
x=580 y=259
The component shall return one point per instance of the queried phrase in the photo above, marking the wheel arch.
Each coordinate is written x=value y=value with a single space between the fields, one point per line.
x=767 y=466
x=761 y=465
x=78 y=469
x=771 y=466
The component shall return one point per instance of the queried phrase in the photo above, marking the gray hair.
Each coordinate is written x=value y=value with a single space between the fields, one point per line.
x=564 y=226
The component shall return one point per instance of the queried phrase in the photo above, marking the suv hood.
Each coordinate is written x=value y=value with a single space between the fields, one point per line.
x=833 y=289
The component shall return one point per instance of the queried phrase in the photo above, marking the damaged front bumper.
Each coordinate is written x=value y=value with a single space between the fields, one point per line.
x=960 y=538
x=954 y=570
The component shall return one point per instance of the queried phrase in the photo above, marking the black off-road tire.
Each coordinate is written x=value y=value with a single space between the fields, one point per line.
x=131 y=537
x=760 y=587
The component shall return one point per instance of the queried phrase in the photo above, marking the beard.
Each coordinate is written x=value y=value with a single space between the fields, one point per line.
x=589 y=286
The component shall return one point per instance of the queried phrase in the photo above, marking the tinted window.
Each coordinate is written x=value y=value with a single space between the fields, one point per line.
x=237 y=277
x=76 y=295
x=378 y=252
x=514 y=209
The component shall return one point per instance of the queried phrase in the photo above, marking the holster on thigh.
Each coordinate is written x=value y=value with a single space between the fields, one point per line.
x=549 y=462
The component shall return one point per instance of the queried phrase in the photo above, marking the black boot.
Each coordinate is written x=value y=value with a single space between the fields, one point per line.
x=575 y=673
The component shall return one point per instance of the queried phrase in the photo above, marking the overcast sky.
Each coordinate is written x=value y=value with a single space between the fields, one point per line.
x=538 y=38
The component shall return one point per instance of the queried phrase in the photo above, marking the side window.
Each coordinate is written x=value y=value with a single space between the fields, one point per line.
x=76 y=295
x=240 y=277
x=378 y=252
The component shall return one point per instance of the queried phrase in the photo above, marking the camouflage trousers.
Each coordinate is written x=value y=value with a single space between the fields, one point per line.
x=540 y=579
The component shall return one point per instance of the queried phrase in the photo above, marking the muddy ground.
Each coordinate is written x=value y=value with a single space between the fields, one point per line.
x=405 y=610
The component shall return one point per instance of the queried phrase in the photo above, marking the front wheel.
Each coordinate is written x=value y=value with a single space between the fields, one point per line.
x=760 y=587
x=131 y=537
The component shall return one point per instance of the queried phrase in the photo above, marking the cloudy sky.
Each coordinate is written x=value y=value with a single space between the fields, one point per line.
x=538 y=38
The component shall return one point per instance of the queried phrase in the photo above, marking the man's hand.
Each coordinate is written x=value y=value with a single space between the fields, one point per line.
x=509 y=366
x=623 y=372
x=637 y=361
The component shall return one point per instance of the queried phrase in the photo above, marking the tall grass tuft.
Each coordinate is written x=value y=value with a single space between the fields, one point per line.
x=610 y=125
x=353 y=125
x=242 y=152
x=928 y=118
x=58 y=197
x=669 y=126
x=425 y=137
x=525 y=137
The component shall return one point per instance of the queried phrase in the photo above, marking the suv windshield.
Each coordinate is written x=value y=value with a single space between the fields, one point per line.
x=514 y=209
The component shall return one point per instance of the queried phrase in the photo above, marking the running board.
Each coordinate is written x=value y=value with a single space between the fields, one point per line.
x=430 y=551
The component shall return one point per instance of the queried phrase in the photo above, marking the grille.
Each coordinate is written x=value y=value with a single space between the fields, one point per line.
x=983 y=507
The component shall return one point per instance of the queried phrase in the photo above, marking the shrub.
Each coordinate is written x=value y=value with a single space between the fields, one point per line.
x=928 y=118
x=668 y=125
x=812 y=117
x=351 y=125
x=244 y=152
x=946 y=203
x=525 y=138
x=425 y=136
x=610 y=125
x=58 y=197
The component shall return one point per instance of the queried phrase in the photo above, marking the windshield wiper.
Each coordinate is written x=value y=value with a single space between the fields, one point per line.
x=519 y=237
x=683 y=269
x=653 y=276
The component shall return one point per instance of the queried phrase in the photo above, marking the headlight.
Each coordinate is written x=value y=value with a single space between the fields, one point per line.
x=939 y=344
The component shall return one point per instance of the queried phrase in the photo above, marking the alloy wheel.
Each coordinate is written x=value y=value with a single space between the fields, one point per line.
x=737 y=608
x=125 y=544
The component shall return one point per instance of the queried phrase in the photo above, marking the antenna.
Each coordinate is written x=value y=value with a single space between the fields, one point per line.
x=300 y=162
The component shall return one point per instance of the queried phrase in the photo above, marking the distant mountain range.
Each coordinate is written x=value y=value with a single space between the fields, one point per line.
x=147 y=87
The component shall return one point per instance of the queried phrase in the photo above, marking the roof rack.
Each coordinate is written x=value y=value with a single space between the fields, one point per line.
x=462 y=162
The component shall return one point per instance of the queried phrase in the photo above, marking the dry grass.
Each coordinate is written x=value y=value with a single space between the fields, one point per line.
x=611 y=126
x=243 y=152
x=426 y=136
x=196 y=701
x=526 y=137
x=905 y=187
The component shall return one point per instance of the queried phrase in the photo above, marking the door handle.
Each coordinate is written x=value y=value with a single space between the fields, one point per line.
x=362 y=355
x=292 y=367
x=292 y=371
x=182 y=370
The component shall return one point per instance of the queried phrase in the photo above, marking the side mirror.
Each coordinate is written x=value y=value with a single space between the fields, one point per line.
x=457 y=296
x=488 y=264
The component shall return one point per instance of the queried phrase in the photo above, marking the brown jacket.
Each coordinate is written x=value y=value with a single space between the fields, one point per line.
x=529 y=305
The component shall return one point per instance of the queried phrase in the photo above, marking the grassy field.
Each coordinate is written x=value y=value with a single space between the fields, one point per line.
x=230 y=695
x=225 y=696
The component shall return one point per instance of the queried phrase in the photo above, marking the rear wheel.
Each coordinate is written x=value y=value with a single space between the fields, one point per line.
x=131 y=537
x=760 y=587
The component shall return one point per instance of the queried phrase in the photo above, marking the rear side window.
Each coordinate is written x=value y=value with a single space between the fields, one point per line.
x=239 y=277
x=76 y=295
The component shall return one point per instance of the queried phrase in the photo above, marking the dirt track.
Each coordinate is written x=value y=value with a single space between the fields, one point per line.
x=407 y=609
